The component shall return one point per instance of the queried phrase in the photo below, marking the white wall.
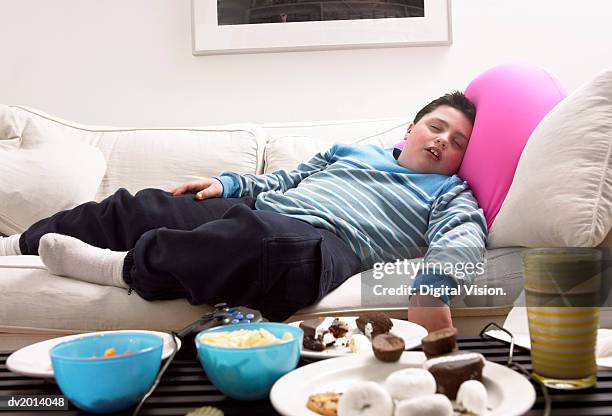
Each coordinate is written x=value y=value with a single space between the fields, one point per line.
x=129 y=62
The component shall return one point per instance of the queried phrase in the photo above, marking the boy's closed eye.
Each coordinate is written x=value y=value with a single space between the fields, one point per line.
x=459 y=143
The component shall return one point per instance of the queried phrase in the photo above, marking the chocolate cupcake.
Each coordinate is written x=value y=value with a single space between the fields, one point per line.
x=440 y=342
x=387 y=347
x=372 y=324
x=451 y=370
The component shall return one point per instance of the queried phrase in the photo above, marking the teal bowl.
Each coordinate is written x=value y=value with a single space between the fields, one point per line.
x=249 y=373
x=106 y=385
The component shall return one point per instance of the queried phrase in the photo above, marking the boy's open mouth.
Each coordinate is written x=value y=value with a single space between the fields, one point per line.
x=434 y=152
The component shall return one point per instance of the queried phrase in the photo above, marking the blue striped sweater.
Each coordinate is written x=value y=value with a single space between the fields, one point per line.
x=381 y=209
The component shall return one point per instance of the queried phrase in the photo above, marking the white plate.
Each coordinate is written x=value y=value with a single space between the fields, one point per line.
x=34 y=360
x=604 y=335
x=410 y=332
x=509 y=393
x=522 y=340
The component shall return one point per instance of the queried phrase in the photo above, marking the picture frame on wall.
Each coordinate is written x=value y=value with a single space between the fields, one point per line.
x=252 y=26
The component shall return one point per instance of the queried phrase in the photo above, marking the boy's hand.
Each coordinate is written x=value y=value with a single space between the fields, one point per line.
x=429 y=312
x=203 y=189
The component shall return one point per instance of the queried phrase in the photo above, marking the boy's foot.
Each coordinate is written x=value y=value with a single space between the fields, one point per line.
x=71 y=257
x=9 y=246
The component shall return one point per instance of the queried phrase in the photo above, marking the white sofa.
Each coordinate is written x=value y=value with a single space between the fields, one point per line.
x=36 y=305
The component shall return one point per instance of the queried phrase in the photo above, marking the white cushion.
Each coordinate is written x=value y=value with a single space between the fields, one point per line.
x=35 y=301
x=139 y=158
x=289 y=145
x=561 y=194
x=42 y=173
x=32 y=299
x=165 y=158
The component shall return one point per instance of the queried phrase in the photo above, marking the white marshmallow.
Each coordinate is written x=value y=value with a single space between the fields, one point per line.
x=410 y=383
x=365 y=399
x=431 y=405
x=472 y=397
x=368 y=330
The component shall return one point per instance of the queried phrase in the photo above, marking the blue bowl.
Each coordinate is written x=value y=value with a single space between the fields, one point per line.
x=105 y=385
x=249 y=373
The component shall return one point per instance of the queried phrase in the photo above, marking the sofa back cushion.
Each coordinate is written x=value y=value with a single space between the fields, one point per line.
x=41 y=172
x=290 y=144
x=139 y=158
x=562 y=190
x=48 y=164
x=165 y=158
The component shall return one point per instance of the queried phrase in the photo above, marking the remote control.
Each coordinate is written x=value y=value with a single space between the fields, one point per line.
x=223 y=315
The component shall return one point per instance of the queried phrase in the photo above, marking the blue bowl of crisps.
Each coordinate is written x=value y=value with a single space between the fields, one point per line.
x=108 y=372
x=243 y=361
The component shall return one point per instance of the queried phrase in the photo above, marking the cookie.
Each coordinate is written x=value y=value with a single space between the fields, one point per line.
x=325 y=404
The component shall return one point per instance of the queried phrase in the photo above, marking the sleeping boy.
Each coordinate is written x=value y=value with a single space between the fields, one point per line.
x=281 y=241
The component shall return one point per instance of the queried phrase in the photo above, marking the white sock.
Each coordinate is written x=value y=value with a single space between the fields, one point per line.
x=71 y=257
x=9 y=246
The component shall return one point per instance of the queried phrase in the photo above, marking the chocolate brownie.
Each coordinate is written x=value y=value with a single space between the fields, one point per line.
x=453 y=369
x=440 y=342
x=316 y=333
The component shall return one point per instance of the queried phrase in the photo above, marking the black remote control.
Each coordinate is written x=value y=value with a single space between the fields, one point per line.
x=222 y=315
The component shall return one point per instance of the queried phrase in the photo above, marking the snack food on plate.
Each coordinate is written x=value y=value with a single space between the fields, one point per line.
x=374 y=323
x=442 y=341
x=338 y=328
x=316 y=333
x=453 y=369
x=410 y=383
x=112 y=352
x=387 y=347
x=325 y=404
x=242 y=338
x=472 y=397
x=431 y=405
x=365 y=399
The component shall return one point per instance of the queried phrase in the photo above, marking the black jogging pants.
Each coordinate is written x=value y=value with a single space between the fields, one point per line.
x=216 y=250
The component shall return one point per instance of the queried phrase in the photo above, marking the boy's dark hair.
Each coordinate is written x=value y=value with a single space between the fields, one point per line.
x=456 y=100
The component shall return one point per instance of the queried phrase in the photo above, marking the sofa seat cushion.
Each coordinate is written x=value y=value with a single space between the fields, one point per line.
x=502 y=270
x=32 y=299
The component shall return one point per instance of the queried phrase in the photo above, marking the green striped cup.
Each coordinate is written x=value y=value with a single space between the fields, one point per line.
x=562 y=293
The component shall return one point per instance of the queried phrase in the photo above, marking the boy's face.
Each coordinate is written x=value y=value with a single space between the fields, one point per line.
x=437 y=142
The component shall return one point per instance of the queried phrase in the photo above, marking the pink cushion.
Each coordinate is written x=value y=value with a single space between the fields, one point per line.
x=510 y=101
